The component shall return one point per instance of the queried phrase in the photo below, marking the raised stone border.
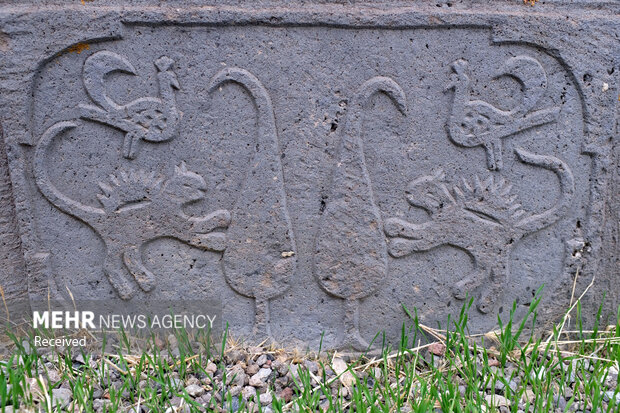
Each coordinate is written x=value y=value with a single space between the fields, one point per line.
x=344 y=126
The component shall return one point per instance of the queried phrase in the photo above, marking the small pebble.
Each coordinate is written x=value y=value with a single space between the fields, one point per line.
x=248 y=392
x=286 y=394
x=261 y=360
x=61 y=397
x=234 y=405
x=259 y=379
x=237 y=375
x=611 y=381
x=211 y=368
x=26 y=346
x=252 y=369
x=265 y=398
x=609 y=395
x=195 y=390
x=559 y=402
x=496 y=400
x=281 y=367
x=176 y=384
x=312 y=366
x=235 y=391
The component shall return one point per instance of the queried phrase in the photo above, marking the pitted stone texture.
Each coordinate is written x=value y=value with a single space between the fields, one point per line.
x=12 y=275
x=318 y=166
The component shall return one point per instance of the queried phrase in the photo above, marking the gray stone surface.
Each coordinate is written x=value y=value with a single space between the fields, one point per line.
x=315 y=166
x=12 y=271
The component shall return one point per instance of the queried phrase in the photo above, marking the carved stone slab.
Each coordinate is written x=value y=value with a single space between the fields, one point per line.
x=315 y=167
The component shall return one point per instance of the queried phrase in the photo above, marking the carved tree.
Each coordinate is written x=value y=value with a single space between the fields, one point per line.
x=350 y=261
x=259 y=260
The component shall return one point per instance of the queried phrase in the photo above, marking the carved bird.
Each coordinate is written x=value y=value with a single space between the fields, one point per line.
x=478 y=123
x=150 y=119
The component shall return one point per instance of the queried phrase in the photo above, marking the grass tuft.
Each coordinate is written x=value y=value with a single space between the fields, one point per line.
x=428 y=370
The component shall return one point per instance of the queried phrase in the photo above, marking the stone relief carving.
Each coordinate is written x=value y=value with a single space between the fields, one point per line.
x=259 y=260
x=149 y=119
x=45 y=67
x=478 y=123
x=136 y=207
x=350 y=260
x=483 y=218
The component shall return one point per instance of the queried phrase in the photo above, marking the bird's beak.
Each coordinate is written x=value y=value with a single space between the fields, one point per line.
x=454 y=81
x=174 y=81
